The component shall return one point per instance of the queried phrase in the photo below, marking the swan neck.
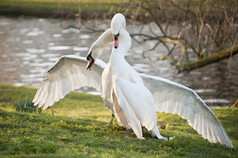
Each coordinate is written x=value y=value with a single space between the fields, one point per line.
x=104 y=39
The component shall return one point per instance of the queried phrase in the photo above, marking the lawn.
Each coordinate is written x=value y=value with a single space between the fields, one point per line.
x=79 y=128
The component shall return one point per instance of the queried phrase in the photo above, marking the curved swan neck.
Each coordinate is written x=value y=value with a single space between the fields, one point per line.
x=104 y=39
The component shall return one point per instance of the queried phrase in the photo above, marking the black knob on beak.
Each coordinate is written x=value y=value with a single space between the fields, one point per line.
x=89 y=56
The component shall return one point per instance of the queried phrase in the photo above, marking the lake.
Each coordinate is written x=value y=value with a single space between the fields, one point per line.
x=30 y=46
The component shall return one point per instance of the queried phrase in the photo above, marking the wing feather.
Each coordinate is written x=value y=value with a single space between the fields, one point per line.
x=174 y=98
x=68 y=73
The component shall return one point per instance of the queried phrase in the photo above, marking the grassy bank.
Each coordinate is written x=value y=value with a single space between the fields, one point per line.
x=74 y=5
x=79 y=128
x=58 y=8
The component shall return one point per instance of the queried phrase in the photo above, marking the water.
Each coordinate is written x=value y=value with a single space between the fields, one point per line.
x=30 y=46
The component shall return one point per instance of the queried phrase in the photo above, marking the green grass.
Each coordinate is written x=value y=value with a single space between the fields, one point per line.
x=79 y=129
x=73 y=5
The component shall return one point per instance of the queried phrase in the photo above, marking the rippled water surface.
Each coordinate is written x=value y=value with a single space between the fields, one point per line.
x=30 y=46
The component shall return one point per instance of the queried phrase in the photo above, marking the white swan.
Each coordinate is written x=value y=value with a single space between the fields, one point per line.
x=134 y=98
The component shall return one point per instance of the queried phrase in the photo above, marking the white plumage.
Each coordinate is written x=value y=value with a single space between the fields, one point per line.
x=174 y=98
x=134 y=98
x=67 y=74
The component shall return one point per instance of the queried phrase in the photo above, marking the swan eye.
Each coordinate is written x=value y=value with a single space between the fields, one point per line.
x=116 y=36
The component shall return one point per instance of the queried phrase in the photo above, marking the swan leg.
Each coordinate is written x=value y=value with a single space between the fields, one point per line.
x=110 y=125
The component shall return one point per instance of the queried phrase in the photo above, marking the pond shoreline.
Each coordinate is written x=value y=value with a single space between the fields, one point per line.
x=63 y=13
x=47 y=13
x=88 y=14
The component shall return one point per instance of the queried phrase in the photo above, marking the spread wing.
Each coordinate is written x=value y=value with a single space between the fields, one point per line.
x=174 y=98
x=67 y=74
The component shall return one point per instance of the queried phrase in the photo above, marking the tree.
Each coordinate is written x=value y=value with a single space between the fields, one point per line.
x=203 y=28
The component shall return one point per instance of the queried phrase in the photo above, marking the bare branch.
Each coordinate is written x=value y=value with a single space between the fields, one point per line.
x=148 y=50
x=195 y=25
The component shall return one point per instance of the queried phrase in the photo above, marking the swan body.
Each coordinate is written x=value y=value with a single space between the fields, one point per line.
x=132 y=102
x=132 y=97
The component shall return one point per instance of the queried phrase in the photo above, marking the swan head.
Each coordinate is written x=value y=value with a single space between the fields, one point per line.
x=94 y=52
x=117 y=24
